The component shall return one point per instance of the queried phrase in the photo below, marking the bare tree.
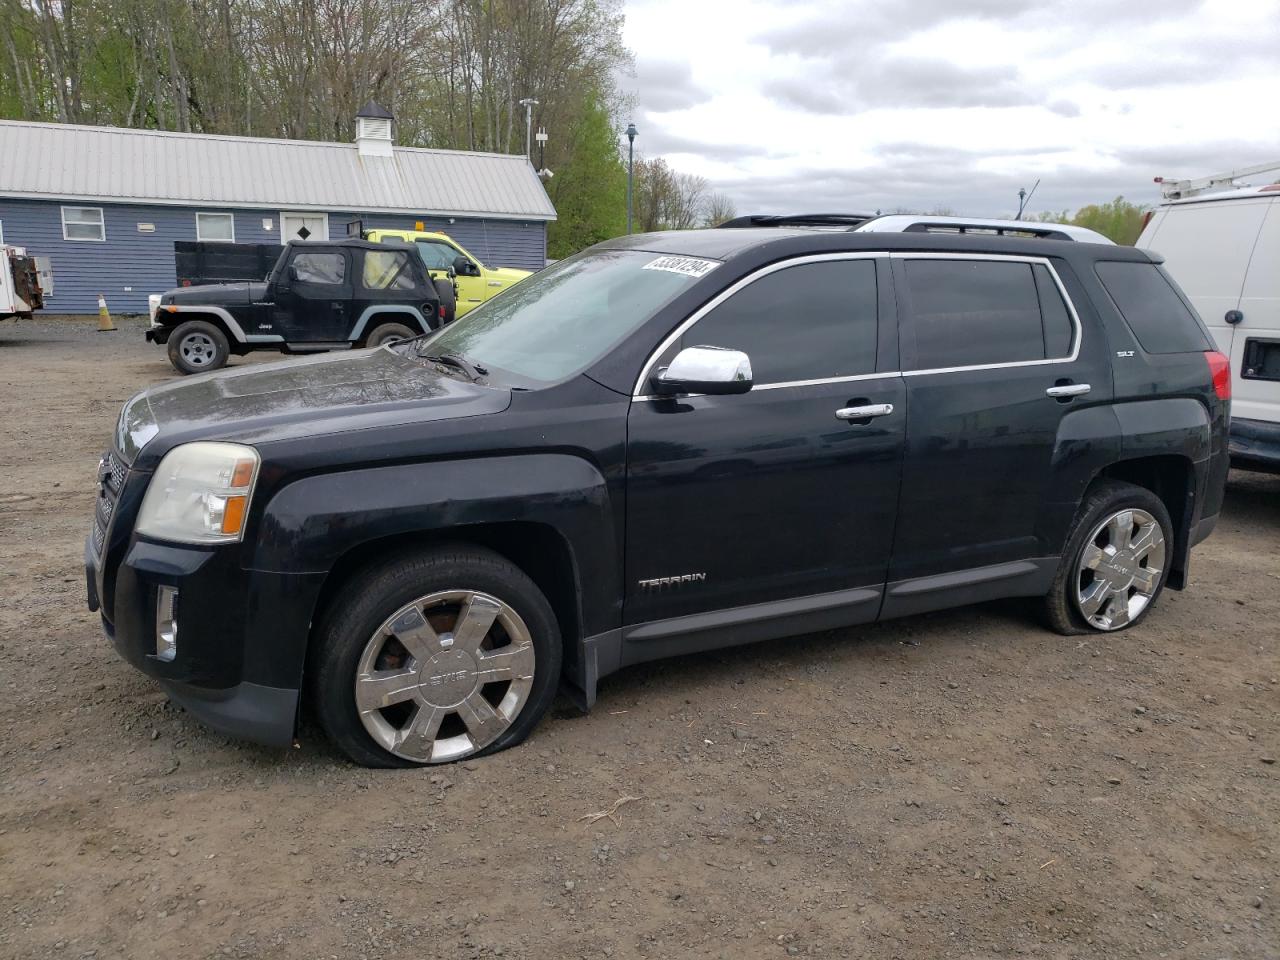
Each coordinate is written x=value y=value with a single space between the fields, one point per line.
x=717 y=209
x=666 y=199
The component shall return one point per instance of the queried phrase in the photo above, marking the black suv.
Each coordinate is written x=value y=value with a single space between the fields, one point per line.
x=319 y=296
x=667 y=443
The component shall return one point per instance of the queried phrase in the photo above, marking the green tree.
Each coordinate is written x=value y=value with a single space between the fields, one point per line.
x=452 y=71
x=590 y=189
x=1118 y=220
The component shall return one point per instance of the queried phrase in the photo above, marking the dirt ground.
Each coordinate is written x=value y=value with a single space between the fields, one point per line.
x=955 y=785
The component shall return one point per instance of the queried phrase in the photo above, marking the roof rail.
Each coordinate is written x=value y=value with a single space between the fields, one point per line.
x=910 y=223
x=833 y=220
x=913 y=223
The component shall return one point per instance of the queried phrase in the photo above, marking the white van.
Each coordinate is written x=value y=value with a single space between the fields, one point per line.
x=1223 y=249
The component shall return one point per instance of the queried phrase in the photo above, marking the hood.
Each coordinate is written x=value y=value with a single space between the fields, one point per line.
x=329 y=393
x=509 y=274
x=216 y=294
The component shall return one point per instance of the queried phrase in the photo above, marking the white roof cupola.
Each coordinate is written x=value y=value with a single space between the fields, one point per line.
x=375 y=131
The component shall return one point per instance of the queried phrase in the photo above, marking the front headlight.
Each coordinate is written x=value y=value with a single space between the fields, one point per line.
x=200 y=493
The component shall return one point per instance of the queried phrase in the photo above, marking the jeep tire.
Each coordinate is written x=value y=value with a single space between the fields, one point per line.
x=198 y=346
x=389 y=333
x=433 y=656
x=1115 y=563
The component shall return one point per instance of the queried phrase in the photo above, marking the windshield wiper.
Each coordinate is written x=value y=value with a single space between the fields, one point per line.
x=473 y=370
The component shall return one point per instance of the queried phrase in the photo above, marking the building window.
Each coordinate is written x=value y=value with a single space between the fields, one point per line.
x=216 y=227
x=83 y=223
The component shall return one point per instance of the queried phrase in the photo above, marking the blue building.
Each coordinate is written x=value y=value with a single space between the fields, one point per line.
x=106 y=204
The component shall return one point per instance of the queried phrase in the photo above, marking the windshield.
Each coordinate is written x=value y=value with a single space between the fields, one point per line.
x=559 y=321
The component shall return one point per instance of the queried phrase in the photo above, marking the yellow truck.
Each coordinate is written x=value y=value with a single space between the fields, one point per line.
x=474 y=283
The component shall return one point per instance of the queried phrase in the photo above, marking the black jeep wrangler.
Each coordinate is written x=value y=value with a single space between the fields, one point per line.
x=319 y=296
x=666 y=443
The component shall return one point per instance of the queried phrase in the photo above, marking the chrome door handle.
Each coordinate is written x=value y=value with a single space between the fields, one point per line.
x=1069 y=390
x=864 y=413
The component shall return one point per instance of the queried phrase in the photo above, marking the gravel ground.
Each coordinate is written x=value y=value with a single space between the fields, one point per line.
x=953 y=785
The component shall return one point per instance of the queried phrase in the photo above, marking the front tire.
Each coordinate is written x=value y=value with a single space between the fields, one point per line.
x=198 y=346
x=1116 y=561
x=435 y=656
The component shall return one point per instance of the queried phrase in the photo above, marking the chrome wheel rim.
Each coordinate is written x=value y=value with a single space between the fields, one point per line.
x=1120 y=569
x=197 y=349
x=444 y=676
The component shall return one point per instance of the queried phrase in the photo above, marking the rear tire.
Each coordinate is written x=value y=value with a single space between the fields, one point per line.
x=1115 y=563
x=390 y=333
x=434 y=656
x=198 y=346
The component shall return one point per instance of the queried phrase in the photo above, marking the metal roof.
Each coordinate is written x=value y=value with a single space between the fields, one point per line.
x=55 y=161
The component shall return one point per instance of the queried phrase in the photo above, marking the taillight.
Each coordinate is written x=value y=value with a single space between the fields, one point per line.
x=1220 y=371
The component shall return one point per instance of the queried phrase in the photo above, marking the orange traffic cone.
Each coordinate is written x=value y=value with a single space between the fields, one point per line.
x=104 y=318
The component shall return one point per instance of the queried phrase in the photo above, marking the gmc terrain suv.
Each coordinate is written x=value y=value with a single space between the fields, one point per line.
x=666 y=443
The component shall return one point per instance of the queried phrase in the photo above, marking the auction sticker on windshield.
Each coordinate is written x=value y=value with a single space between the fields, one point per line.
x=689 y=266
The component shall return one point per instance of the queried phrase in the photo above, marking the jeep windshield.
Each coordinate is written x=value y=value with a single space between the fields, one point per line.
x=560 y=320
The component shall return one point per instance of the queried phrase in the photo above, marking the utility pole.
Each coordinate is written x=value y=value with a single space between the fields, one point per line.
x=631 y=162
x=528 y=105
x=541 y=137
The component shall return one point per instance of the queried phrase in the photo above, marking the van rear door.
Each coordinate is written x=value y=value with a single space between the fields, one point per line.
x=1206 y=247
x=1255 y=347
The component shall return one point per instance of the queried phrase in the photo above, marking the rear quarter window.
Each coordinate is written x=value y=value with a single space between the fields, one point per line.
x=1151 y=307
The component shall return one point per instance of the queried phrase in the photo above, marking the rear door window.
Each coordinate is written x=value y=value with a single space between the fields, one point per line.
x=969 y=313
x=1151 y=307
x=1058 y=330
x=387 y=270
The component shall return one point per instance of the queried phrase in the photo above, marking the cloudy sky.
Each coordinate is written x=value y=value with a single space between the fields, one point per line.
x=850 y=105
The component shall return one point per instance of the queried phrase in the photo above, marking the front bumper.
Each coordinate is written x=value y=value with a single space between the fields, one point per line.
x=1255 y=444
x=158 y=334
x=241 y=634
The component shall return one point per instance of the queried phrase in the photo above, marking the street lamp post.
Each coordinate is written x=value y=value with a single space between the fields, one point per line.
x=528 y=105
x=631 y=159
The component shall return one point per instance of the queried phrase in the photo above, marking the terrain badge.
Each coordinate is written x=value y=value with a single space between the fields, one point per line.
x=672 y=581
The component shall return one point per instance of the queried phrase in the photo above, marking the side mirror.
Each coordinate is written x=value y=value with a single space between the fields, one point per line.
x=710 y=370
x=464 y=267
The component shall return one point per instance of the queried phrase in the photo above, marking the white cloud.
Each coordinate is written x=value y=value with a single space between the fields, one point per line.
x=861 y=104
